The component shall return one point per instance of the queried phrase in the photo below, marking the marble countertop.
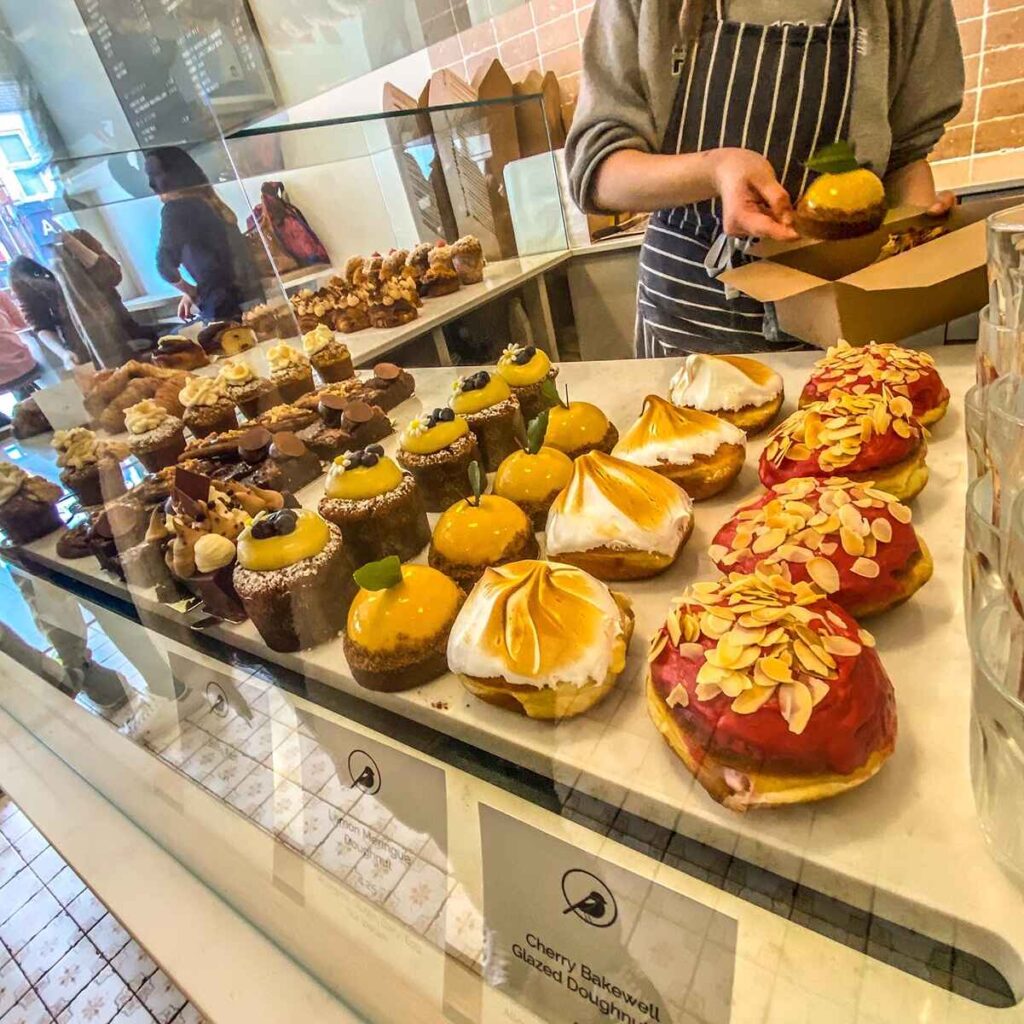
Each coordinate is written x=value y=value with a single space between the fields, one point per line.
x=900 y=846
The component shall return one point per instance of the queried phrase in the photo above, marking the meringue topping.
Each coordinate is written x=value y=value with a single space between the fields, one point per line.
x=710 y=383
x=664 y=434
x=538 y=624
x=616 y=504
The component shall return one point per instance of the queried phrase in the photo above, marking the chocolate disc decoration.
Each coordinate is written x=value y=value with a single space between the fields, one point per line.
x=358 y=412
x=387 y=371
x=254 y=444
x=332 y=407
x=287 y=445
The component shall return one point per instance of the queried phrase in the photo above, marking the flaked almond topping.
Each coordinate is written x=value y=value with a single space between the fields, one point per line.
x=900 y=512
x=866 y=567
x=659 y=644
x=845 y=366
x=866 y=638
x=824 y=574
x=769 y=640
x=881 y=529
x=678 y=696
x=674 y=632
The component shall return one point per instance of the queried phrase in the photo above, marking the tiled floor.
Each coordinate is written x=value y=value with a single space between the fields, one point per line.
x=63 y=957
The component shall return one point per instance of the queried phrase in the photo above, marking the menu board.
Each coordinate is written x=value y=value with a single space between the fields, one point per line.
x=175 y=63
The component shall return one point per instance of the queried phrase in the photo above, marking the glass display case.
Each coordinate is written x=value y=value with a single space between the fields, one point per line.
x=329 y=567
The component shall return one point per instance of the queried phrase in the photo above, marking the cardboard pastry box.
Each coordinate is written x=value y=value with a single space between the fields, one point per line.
x=828 y=290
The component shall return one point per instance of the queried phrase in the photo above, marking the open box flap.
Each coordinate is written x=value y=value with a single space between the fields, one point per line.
x=768 y=281
x=942 y=259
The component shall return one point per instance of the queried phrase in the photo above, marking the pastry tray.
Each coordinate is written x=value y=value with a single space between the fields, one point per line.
x=905 y=846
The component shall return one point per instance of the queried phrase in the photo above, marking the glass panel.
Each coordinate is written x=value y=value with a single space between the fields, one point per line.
x=14 y=149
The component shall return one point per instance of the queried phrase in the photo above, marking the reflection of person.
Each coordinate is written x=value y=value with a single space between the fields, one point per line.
x=199 y=231
x=707 y=116
x=76 y=310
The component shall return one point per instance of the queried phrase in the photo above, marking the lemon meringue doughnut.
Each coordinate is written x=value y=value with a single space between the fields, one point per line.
x=541 y=638
x=700 y=452
x=741 y=390
x=617 y=520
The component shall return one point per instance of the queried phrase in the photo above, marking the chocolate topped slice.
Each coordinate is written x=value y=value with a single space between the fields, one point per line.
x=387 y=371
x=287 y=445
x=192 y=485
x=358 y=412
x=332 y=407
x=254 y=445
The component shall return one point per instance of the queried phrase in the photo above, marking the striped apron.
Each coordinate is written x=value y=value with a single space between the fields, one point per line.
x=781 y=90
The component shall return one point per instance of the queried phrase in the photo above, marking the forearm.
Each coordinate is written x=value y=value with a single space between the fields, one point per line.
x=911 y=185
x=629 y=180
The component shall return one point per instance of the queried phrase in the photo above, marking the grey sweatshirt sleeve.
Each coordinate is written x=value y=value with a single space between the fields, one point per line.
x=615 y=110
x=926 y=86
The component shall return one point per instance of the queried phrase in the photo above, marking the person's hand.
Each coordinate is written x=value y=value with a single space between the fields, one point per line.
x=754 y=204
x=944 y=202
x=186 y=308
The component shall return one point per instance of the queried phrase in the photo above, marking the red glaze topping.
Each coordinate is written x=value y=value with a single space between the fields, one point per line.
x=851 y=434
x=871 y=368
x=766 y=674
x=851 y=541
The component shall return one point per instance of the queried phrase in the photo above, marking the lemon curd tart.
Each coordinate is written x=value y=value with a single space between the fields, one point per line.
x=478 y=532
x=376 y=505
x=844 y=201
x=698 y=451
x=492 y=414
x=576 y=428
x=617 y=520
x=294 y=578
x=525 y=368
x=437 y=450
x=533 y=477
x=541 y=638
x=396 y=636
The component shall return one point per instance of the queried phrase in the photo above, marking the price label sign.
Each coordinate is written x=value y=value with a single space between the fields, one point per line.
x=575 y=938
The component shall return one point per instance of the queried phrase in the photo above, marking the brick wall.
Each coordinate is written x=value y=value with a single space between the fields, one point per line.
x=546 y=34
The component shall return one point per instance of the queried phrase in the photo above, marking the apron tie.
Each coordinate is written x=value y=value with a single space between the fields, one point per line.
x=720 y=256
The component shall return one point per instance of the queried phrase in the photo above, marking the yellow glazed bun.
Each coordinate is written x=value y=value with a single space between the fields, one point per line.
x=541 y=638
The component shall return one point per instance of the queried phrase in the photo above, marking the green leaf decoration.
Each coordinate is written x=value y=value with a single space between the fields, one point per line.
x=835 y=158
x=476 y=481
x=380 y=575
x=535 y=432
x=550 y=393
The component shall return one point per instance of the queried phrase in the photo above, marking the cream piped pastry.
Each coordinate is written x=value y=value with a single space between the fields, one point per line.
x=491 y=412
x=739 y=389
x=867 y=438
x=290 y=371
x=28 y=505
x=156 y=438
x=468 y=259
x=398 y=625
x=618 y=520
x=541 y=638
x=252 y=393
x=208 y=410
x=525 y=368
x=698 y=451
x=853 y=542
x=329 y=354
x=768 y=692
x=872 y=368
x=89 y=468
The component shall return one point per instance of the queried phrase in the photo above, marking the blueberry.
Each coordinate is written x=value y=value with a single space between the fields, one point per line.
x=370 y=459
x=525 y=355
x=262 y=529
x=445 y=416
x=376 y=449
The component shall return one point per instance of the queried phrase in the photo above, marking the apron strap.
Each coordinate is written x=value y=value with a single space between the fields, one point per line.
x=720 y=257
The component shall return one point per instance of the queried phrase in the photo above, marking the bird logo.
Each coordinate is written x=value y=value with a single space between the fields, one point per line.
x=363 y=771
x=588 y=898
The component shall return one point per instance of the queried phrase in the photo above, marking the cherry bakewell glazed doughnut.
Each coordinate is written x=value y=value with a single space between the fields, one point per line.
x=869 y=438
x=851 y=541
x=768 y=692
x=870 y=368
